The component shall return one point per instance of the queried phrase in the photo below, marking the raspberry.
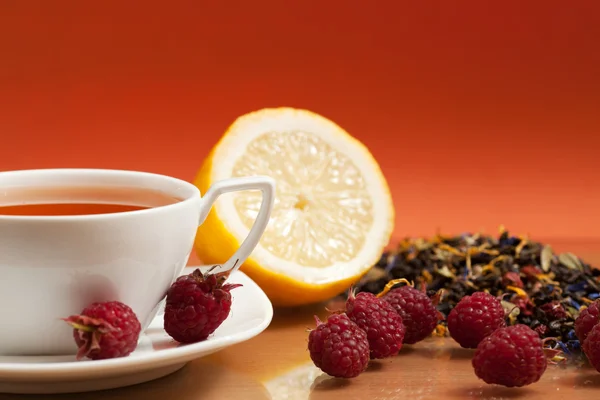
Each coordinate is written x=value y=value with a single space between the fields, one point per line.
x=512 y=356
x=475 y=317
x=591 y=347
x=553 y=310
x=105 y=330
x=586 y=320
x=381 y=322
x=418 y=313
x=339 y=347
x=197 y=305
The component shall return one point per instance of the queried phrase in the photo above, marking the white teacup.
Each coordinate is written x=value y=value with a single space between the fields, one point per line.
x=54 y=266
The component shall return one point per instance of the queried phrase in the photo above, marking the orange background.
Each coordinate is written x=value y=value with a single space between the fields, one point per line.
x=480 y=113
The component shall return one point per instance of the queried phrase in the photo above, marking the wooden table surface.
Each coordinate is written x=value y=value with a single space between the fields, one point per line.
x=275 y=365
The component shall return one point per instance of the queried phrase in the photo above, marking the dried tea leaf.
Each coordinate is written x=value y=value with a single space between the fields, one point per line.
x=570 y=261
x=546 y=258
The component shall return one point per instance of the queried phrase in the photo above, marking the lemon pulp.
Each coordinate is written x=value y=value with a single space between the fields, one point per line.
x=332 y=215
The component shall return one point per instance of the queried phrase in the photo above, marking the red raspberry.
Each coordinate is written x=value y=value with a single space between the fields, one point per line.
x=381 y=322
x=105 y=330
x=339 y=347
x=419 y=315
x=475 y=317
x=587 y=319
x=512 y=356
x=591 y=347
x=554 y=310
x=197 y=305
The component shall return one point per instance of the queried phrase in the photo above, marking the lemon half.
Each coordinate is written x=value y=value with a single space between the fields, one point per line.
x=333 y=212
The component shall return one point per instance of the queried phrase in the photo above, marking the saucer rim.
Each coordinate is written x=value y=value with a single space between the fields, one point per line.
x=149 y=361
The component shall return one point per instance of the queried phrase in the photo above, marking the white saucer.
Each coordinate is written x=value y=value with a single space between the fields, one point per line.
x=157 y=355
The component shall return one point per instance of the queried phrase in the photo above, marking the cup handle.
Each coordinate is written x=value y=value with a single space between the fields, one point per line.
x=263 y=183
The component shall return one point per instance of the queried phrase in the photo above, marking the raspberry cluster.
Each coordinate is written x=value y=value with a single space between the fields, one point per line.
x=371 y=327
x=377 y=326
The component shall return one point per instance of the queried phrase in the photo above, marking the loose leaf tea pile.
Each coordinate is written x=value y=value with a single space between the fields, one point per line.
x=539 y=288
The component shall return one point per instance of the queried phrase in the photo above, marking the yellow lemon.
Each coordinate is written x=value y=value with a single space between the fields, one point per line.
x=333 y=213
